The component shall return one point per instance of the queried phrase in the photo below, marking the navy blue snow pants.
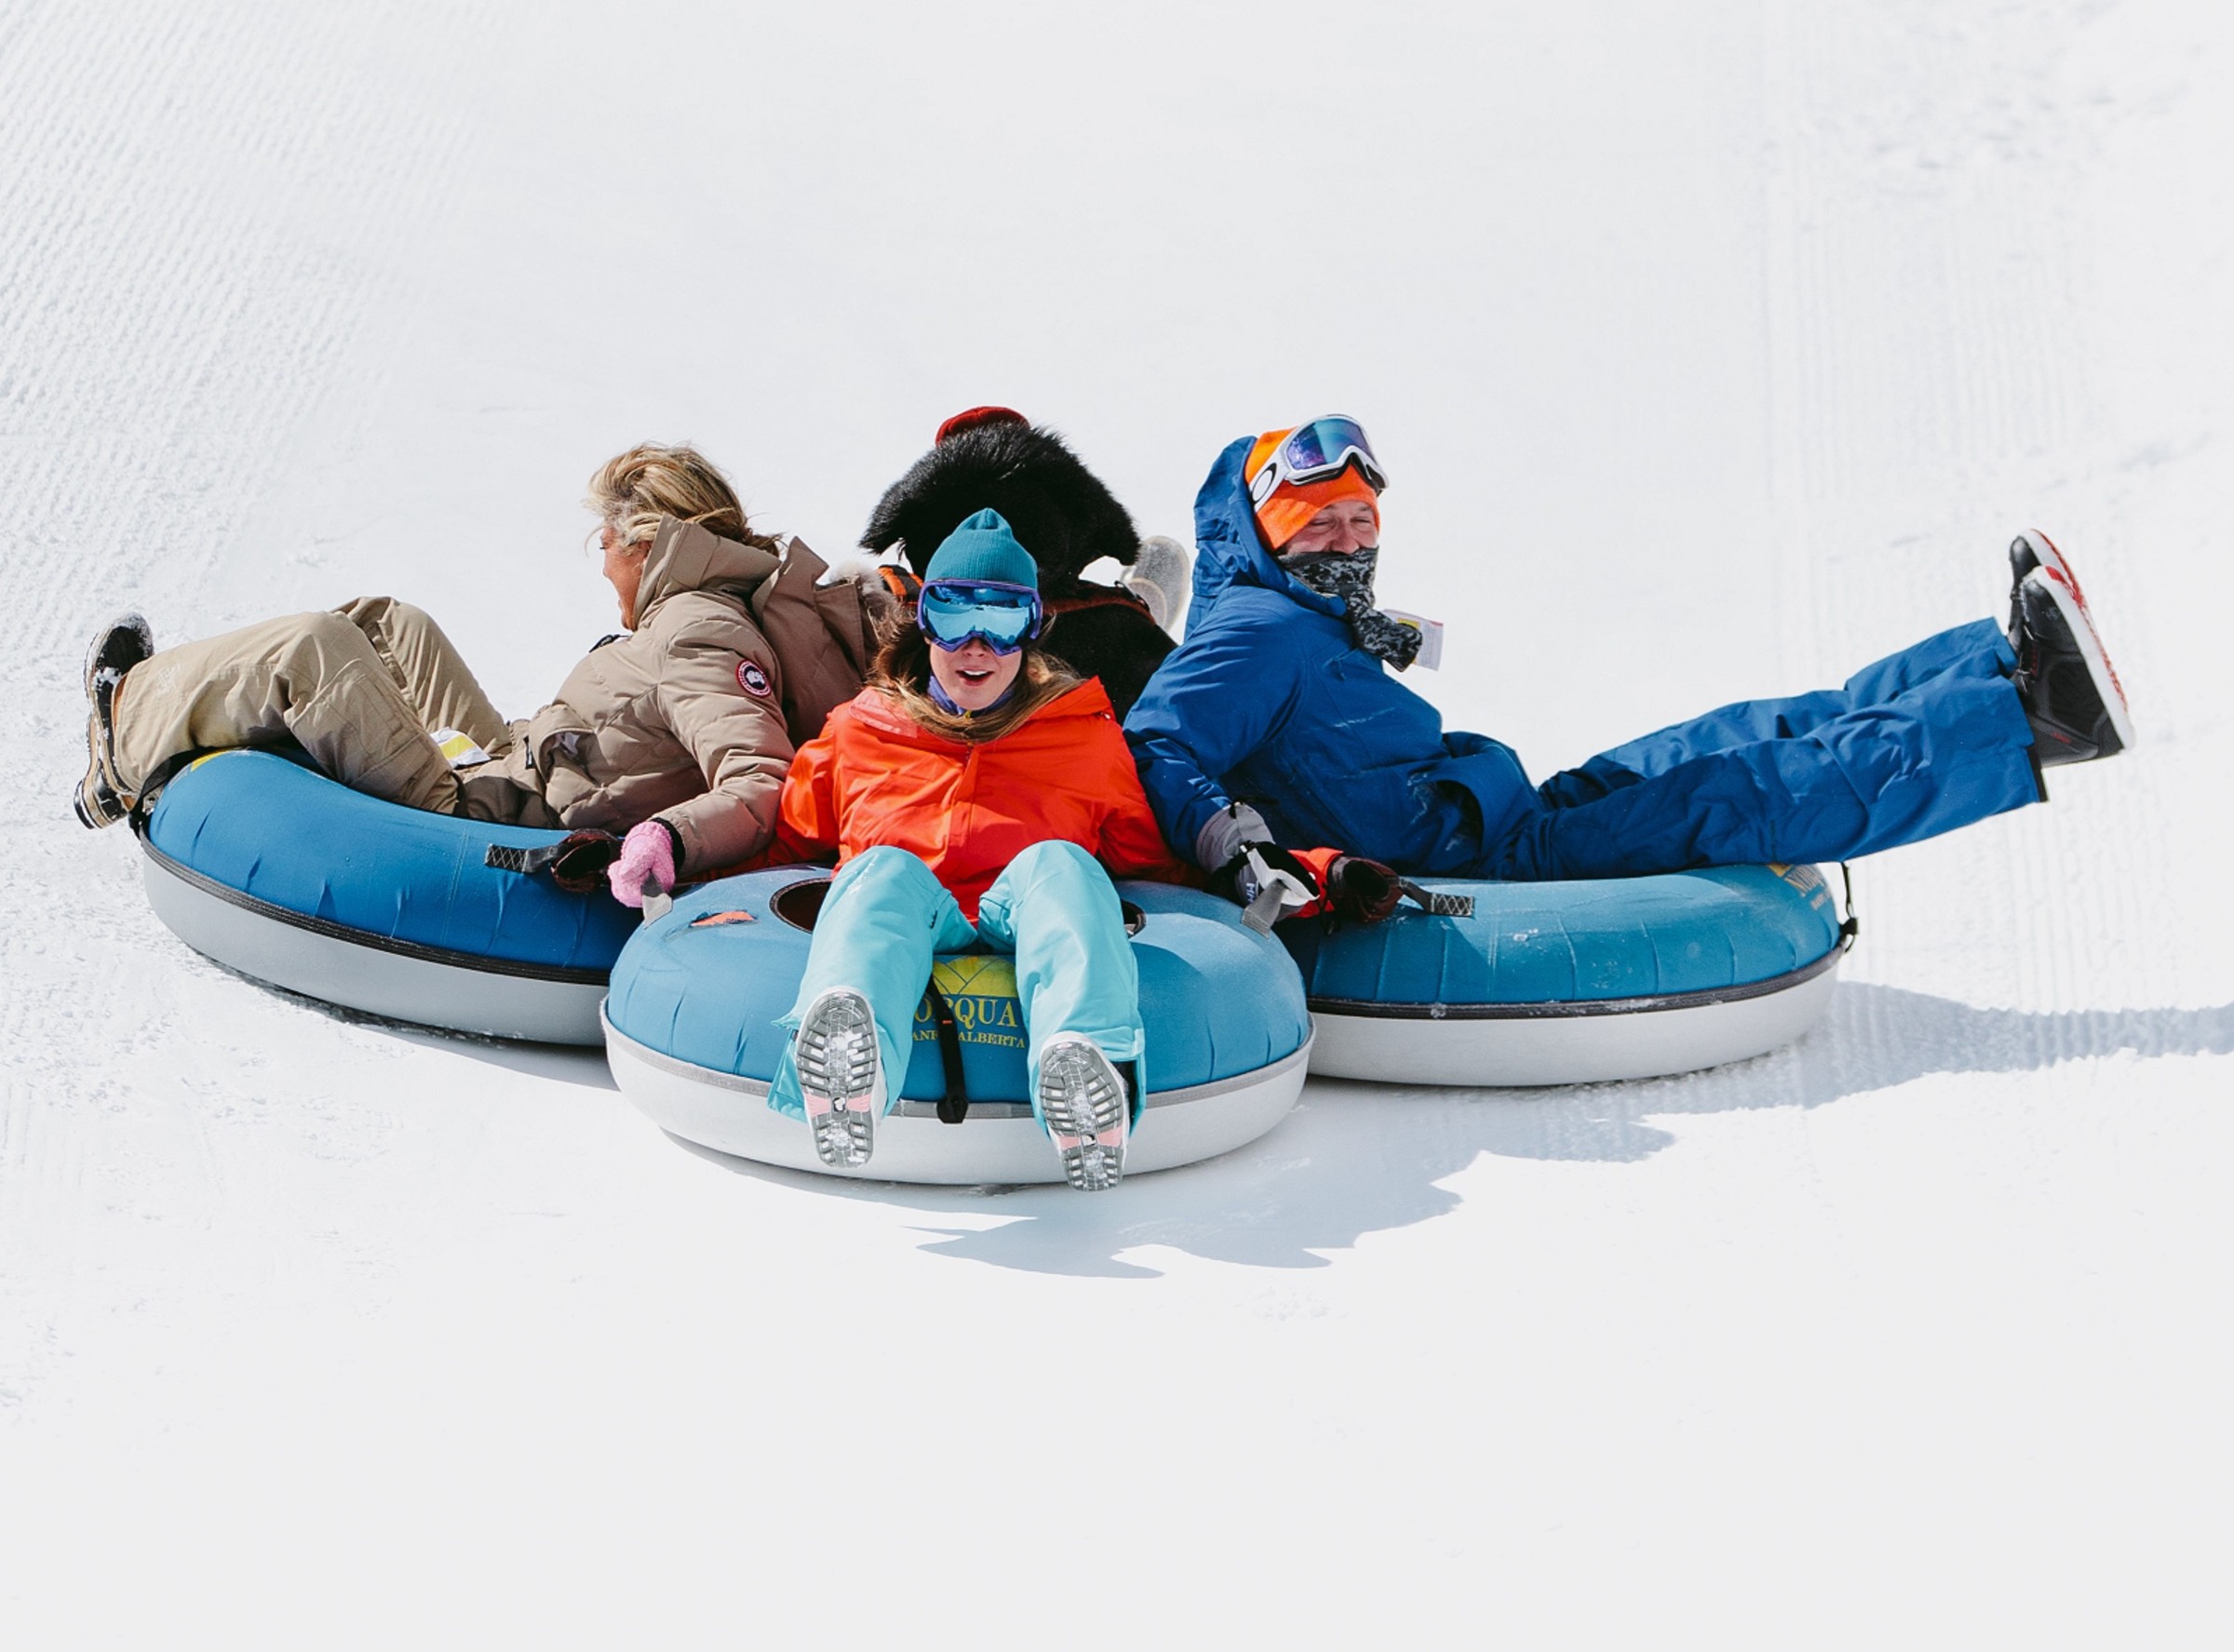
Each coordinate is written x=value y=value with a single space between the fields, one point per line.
x=1924 y=741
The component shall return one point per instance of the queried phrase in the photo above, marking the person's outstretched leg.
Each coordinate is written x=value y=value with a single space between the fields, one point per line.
x=1977 y=649
x=883 y=919
x=2063 y=674
x=312 y=675
x=1952 y=749
x=1079 y=987
x=427 y=668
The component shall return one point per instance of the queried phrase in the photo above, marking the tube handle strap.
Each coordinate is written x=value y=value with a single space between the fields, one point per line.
x=954 y=1105
x=576 y=862
x=1435 y=902
x=505 y=858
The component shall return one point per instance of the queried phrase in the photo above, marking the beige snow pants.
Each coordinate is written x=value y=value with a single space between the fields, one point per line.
x=361 y=687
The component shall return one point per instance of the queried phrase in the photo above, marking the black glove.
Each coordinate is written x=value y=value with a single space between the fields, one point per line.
x=1362 y=890
x=579 y=868
x=1268 y=881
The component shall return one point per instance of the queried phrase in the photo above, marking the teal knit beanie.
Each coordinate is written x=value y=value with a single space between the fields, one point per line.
x=984 y=548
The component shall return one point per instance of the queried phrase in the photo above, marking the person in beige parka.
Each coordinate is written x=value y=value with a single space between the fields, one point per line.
x=676 y=734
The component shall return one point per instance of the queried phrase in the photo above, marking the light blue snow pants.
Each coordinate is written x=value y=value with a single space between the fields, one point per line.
x=1054 y=908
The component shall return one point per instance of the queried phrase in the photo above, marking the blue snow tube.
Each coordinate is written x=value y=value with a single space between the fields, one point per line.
x=692 y=1035
x=266 y=866
x=1573 y=982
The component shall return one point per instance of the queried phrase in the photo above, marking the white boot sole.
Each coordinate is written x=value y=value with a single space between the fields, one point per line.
x=1084 y=1102
x=840 y=1077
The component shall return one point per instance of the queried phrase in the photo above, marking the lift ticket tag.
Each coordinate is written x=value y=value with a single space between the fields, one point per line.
x=457 y=749
x=1431 y=635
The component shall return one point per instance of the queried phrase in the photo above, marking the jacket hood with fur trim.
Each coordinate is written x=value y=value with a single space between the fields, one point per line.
x=1059 y=510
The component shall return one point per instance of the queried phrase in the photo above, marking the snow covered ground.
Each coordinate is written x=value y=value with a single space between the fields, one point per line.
x=1715 y=349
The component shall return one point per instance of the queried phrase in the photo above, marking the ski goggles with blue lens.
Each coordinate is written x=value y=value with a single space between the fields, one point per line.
x=1314 y=452
x=1003 y=617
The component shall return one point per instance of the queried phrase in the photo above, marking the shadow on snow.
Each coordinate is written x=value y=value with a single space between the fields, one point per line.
x=1356 y=1158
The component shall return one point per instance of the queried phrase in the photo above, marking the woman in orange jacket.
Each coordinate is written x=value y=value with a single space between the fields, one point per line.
x=975 y=792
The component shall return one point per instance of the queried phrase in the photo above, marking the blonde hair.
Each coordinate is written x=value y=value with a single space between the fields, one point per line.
x=630 y=494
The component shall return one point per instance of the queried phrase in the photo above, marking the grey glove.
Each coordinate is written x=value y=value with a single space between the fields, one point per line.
x=1159 y=576
x=1225 y=833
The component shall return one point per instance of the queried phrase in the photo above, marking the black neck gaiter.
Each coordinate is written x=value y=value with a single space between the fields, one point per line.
x=1349 y=577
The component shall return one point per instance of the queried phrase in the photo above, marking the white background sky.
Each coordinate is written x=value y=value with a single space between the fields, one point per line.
x=1714 y=350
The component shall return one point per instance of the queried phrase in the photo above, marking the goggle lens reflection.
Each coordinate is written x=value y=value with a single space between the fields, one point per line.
x=1004 y=617
x=1316 y=451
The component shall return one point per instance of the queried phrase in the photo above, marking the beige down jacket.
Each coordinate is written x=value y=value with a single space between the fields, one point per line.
x=738 y=655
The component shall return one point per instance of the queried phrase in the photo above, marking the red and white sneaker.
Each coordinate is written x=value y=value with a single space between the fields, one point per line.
x=1088 y=1115
x=841 y=1076
x=2063 y=674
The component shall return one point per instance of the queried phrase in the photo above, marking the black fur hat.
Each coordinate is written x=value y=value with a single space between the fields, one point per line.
x=1059 y=508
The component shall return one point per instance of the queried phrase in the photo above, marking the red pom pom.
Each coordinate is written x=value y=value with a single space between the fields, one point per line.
x=973 y=417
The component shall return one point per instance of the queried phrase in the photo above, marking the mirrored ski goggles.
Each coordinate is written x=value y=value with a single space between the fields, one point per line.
x=1003 y=617
x=1314 y=452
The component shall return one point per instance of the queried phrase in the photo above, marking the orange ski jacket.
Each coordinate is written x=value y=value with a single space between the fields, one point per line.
x=876 y=776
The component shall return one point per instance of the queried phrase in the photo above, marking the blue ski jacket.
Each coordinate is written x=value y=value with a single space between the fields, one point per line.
x=1268 y=703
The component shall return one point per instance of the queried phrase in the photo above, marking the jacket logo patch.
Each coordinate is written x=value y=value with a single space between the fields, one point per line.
x=753 y=680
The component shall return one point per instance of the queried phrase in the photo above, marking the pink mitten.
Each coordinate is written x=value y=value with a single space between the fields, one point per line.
x=647 y=856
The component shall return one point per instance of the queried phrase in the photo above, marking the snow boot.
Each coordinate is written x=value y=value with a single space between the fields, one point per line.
x=2070 y=690
x=1087 y=1112
x=119 y=646
x=841 y=1076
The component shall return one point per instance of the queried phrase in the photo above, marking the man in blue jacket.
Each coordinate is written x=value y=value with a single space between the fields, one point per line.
x=1278 y=721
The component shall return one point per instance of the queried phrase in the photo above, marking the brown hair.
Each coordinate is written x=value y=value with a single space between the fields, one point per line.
x=630 y=494
x=902 y=670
